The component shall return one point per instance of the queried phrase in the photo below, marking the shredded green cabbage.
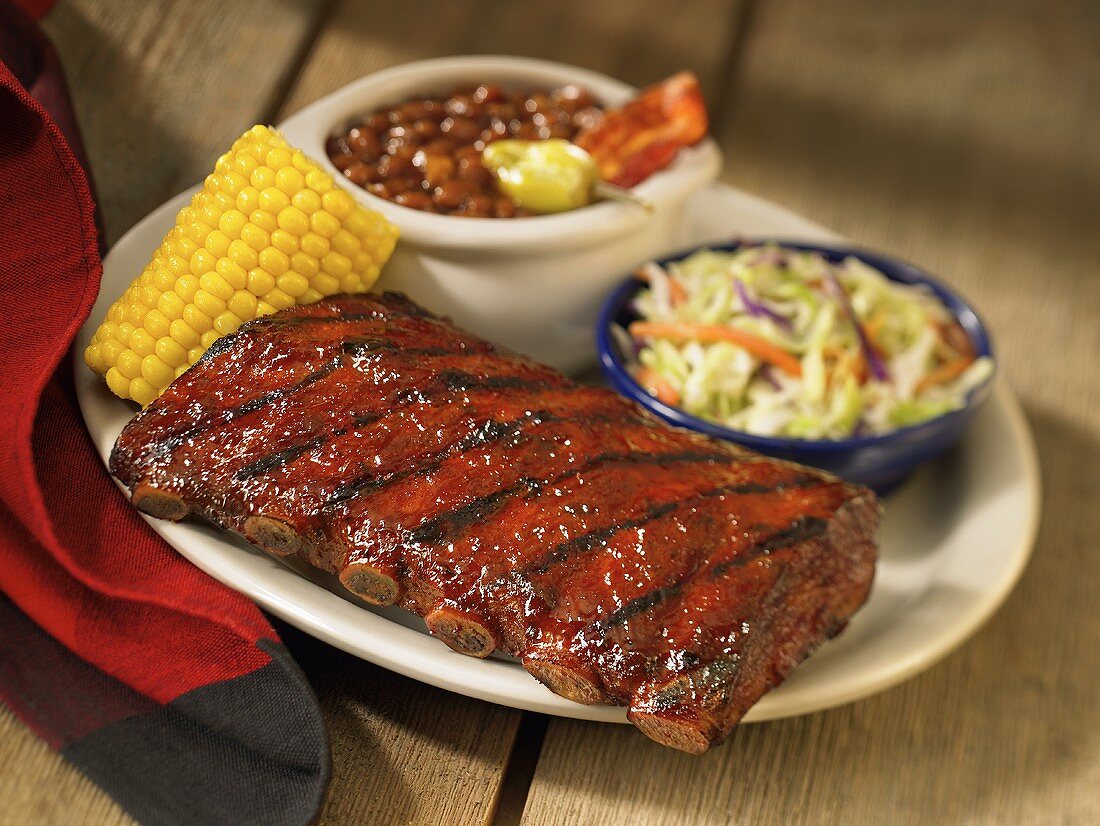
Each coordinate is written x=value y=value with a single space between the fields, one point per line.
x=789 y=299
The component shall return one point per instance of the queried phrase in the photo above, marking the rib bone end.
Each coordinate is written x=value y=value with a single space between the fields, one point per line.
x=273 y=535
x=370 y=583
x=160 y=503
x=570 y=683
x=461 y=631
x=675 y=732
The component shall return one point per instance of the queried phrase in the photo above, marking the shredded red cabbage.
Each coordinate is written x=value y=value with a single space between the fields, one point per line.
x=874 y=363
x=757 y=308
x=767 y=373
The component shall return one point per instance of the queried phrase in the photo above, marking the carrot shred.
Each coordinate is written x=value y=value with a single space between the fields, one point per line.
x=873 y=326
x=948 y=371
x=954 y=336
x=656 y=385
x=676 y=292
x=709 y=333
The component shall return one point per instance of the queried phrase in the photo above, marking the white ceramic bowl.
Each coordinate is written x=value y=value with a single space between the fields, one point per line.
x=532 y=284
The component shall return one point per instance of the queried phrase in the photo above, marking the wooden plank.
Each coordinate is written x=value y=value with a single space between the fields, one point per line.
x=161 y=89
x=963 y=137
x=37 y=786
x=638 y=41
x=403 y=752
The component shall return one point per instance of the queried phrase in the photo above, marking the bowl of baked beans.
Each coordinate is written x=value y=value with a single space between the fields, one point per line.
x=408 y=142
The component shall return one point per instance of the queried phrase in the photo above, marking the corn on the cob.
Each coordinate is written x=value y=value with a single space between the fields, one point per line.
x=268 y=230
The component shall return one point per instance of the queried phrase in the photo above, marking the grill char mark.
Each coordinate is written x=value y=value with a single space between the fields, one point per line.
x=800 y=530
x=451 y=524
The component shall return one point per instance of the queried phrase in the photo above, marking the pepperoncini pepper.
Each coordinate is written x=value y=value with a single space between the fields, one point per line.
x=543 y=176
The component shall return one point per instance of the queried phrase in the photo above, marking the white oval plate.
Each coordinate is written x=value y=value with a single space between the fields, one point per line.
x=955 y=538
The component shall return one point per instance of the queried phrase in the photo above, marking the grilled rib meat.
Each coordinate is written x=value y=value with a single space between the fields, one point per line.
x=622 y=560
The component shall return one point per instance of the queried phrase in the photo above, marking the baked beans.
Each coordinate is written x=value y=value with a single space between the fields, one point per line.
x=426 y=153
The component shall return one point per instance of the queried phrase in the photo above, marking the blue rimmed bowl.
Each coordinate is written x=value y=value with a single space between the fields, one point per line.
x=880 y=462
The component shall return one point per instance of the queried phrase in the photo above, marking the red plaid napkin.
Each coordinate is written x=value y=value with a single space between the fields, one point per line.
x=166 y=688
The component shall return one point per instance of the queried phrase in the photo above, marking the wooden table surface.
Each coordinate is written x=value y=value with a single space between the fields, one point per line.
x=961 y=135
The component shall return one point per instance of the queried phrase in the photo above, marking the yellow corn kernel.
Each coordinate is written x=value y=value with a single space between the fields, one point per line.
x=202 y=261
x=274 y=200
x=163 y=279
x=321 y=182
x=156 y=323
x=212 y=211
x=263 y=177
x=142 y=391
x=244 y=164
x=242 y=304
x=324 y=223
x=217 y=243
x=232 y=272
x=285 y=242
x=339 y=203
x=111 y=350
x=119 y=384
x=315 y=245
x=231 y=223
x=269 y=229
x=243 y=255
x=231 y=183
x=278 y=158
x=294 y=221
x=136 y=313
x=256 y=237
x=142 y=342
x=290 y=180
x=216 y=285
x=248 y=199
x=171 y=305
x=227 y=322
x=94 y=357
x=336 y=264
x=107 y=330
x=182 y=333
x=346 y=243
x=124 y=331
x=279 y=299
x=186 y=285
x=307 y=201
x=129 y=364
x=325 y=283
x=260 y=282
x=156 y=372
x=264 y=220
x=274 y=261
x=170 y=352
x=292 y=283
x=209 y=303
x=307 y=265
x=196 y=319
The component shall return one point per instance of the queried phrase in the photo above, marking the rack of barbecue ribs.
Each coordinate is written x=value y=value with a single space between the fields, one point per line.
x=622 y=560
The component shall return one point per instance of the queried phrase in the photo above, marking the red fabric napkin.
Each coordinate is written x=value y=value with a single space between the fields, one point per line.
x=170 y=690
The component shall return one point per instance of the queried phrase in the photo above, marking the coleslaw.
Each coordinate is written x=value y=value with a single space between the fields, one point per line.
x=776 y=341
